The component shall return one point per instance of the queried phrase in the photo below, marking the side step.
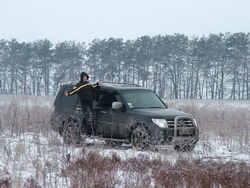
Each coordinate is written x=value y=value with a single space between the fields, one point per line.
x=108 y=139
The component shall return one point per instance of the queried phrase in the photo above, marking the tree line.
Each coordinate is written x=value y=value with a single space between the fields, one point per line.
x=174 y=66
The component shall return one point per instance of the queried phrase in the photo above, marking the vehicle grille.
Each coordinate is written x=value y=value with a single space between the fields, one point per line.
x=181 y=122
x=185 y=127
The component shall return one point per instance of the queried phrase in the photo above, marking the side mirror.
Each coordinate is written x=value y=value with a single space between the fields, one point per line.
x=116 y=105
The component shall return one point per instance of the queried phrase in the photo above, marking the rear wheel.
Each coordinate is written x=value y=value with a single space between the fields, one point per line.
x=140 y=137
x=71 y=131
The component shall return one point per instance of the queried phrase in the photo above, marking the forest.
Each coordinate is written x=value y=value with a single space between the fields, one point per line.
x=174 y=66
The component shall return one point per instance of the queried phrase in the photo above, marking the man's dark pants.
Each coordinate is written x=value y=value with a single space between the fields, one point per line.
x=87 y=118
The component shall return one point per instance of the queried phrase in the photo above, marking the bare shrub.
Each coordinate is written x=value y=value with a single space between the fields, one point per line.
x=136 y=172
x=21 y=114
x=31 y=183
x=94 y=170
x=202 y=174
x=5 y=183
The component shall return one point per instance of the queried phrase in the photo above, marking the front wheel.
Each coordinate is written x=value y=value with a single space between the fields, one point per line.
x=140 y=138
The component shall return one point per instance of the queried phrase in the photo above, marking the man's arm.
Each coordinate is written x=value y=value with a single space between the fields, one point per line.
x=96 y=84
x=76 y=88
x=72 y=91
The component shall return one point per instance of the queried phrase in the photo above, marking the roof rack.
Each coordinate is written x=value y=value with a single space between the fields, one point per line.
x=119 y=84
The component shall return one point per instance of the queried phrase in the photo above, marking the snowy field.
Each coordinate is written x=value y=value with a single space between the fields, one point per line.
x=32 y=155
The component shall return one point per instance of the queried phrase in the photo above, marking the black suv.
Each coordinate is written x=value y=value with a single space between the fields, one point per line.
x=125 y=114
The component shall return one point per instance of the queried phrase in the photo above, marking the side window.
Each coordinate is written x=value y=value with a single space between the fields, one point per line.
x=97 y=98
x=106 y=98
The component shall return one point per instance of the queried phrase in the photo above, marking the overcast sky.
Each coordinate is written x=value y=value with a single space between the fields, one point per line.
x=85 y=20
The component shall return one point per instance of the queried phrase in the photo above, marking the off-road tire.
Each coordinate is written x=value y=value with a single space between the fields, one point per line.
x=140 y=137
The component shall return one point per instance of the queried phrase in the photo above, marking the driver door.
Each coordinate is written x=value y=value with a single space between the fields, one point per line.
x=109 y=121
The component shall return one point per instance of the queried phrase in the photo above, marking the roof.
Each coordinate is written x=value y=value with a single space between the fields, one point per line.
x=122 y=86
x=119 y=84
x=115 y=85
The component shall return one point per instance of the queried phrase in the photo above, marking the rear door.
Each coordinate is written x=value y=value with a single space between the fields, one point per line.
x=67 y=105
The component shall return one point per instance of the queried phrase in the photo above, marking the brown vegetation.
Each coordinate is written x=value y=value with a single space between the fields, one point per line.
x=93 y=170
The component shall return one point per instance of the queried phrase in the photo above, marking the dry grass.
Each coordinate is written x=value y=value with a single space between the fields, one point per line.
x=20 y=114
x=59 y=166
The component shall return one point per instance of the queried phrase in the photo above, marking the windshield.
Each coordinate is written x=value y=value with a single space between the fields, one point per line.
x=142 y=99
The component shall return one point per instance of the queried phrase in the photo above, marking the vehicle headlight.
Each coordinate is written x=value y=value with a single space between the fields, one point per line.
x=161 y=123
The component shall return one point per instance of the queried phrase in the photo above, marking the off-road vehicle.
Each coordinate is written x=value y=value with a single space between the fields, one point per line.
x=125 y=113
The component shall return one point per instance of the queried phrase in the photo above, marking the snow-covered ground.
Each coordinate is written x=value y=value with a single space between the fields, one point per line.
x=44 y=156
x=41 y=154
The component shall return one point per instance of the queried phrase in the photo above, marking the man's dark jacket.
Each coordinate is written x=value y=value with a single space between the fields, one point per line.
x=84 y=91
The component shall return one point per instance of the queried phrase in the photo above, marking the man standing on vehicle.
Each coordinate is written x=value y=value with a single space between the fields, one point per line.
x=84 y=89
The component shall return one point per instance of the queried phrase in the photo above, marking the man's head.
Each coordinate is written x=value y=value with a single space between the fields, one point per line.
x=84 y=76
